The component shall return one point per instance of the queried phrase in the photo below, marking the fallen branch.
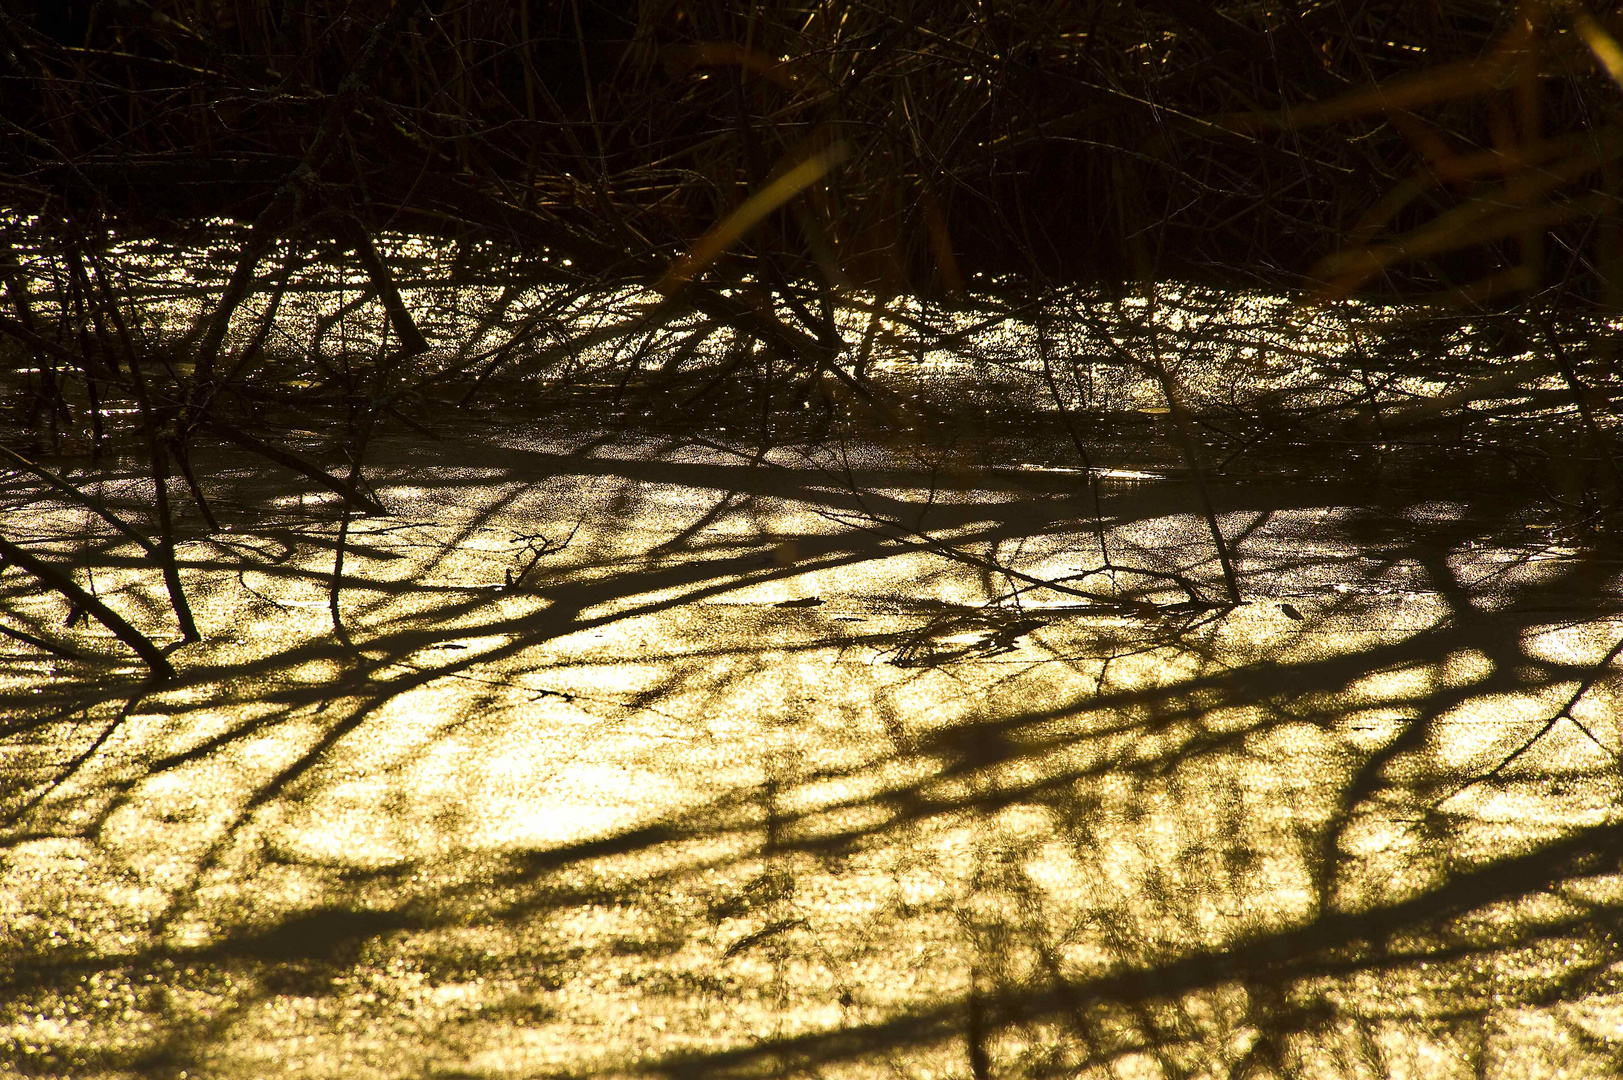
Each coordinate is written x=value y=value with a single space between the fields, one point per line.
x=81 y=600
x=290 y=460
x=84 y=499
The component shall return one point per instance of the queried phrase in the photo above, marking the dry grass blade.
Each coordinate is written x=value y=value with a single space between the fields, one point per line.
x=751 y=212
x=1601 y=43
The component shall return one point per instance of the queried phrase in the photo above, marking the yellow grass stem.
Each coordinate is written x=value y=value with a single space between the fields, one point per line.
x=750 y=213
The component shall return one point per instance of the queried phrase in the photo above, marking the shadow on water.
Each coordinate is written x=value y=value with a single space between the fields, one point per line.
x=678 y=762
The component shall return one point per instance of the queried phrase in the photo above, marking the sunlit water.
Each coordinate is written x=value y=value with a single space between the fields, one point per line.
x=868 y=755
x=760 y=774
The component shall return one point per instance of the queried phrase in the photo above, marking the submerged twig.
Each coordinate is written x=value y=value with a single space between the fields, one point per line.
x=80 y=600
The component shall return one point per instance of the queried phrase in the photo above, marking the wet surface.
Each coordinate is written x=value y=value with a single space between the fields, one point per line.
x=673 y=758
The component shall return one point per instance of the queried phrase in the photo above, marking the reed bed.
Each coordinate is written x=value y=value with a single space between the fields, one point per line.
x=260 y=223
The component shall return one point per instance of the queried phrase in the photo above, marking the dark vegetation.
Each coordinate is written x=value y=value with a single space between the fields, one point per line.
x=778 y=185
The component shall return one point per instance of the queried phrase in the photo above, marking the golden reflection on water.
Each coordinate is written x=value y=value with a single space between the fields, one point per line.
x=635 y=817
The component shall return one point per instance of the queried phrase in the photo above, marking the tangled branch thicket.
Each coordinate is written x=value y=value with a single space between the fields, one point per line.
x=692 y=202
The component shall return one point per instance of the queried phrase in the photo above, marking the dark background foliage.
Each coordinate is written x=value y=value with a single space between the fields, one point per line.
x=1098 y=140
